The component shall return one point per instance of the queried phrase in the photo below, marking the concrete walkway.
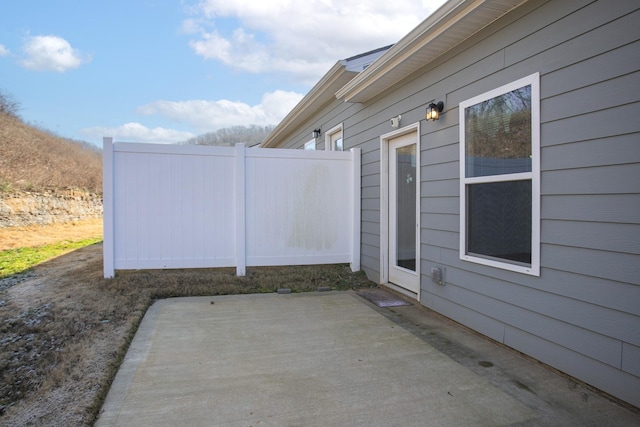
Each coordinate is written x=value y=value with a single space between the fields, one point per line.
x=333 y=359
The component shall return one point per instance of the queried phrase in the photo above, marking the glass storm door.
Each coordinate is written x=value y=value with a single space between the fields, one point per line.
x=403 y=213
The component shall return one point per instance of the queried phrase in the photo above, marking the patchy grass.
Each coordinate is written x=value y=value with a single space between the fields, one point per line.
x=14 y=261
x=32 y=236
x=64 y=330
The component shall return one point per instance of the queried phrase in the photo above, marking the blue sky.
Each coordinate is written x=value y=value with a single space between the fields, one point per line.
x=167 y=70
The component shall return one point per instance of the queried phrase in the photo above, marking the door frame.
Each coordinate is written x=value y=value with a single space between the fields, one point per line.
x=384 y=206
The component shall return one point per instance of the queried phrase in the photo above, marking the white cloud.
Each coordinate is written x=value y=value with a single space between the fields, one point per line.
x=135 y=132
x=191 y=26
x=302 y=38
x=204 y=116
x=51 y=53
x=4 y=51
x=208 y=116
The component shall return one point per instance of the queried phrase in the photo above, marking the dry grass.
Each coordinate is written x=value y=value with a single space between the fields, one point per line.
x=33 y=159
x=65 y=329
x=38 y=235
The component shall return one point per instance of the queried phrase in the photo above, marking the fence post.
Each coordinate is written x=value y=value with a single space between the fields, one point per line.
x=356 y=159
x=241 y=220
x=108 y=245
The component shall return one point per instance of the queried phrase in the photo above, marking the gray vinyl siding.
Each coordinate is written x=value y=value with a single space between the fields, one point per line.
x=370 y=232
x=582 y=315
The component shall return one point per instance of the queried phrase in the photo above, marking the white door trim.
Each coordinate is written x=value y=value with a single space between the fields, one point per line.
x=384 y=200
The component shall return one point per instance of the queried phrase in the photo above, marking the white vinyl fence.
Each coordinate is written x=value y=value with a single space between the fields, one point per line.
x=184 y=206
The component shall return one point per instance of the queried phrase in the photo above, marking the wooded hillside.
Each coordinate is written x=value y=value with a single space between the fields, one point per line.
x=249 y=135
x=33 y=159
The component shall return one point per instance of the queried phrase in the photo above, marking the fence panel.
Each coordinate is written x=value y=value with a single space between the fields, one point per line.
x=197 y=207
x=298 y=207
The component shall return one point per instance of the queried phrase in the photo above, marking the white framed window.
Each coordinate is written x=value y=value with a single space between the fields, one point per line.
x=333 y=139
x=500 y=177
x=310 y=145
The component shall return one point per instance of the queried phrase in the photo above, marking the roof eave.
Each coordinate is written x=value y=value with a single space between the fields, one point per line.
x=447 y=27
x=319 y=95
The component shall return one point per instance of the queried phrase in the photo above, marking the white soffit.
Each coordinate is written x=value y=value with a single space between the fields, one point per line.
x=447 y=27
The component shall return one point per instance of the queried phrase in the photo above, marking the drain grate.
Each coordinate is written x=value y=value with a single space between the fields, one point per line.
x=382 y=298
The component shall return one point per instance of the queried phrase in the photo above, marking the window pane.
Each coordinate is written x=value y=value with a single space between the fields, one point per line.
x=498 y=134
x=499 y=220
x=336 y=141
x=406 y=158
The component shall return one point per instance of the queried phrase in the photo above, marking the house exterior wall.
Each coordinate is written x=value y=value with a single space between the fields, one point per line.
x=582 y=314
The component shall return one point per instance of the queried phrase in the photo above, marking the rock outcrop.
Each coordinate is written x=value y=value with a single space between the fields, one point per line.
x=49 y=207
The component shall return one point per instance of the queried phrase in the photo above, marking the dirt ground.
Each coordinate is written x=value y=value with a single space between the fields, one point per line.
x=64 y=329
x=37 y=235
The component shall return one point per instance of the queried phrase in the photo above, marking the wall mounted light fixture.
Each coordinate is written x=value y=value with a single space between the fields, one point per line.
x=434 y=110
x=395 y=121
x=316 y=133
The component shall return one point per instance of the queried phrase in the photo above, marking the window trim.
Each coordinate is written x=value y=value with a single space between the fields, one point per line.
x=534 y=176
x=310 y=145
x=327 y=137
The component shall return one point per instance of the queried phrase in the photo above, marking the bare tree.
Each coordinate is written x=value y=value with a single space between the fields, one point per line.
x=249 y=135
x=8 y=105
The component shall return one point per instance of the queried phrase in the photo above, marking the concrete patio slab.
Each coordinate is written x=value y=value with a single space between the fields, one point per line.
x=313 y=359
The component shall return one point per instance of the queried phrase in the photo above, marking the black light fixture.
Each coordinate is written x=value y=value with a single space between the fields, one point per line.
x=316 y=133
x=434 y=110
